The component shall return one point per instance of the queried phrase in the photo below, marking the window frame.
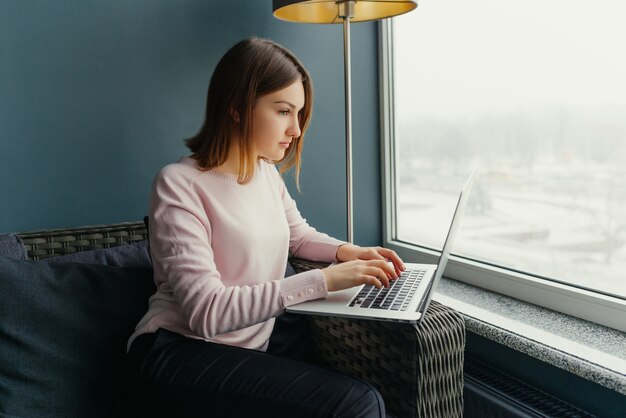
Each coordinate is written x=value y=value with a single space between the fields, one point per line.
x=585 y=304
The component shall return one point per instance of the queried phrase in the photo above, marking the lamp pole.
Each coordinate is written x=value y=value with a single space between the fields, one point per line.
x=346 y=12
x=330 y=11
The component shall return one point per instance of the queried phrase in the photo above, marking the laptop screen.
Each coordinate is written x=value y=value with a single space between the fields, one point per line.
x=447 y=246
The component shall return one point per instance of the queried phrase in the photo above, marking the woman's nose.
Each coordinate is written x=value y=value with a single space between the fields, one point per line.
x=294 y=128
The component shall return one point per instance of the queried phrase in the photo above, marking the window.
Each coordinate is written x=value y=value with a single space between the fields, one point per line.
x=532 y=94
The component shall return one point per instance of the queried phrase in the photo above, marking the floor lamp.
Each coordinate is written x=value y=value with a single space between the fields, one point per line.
x=342 y=11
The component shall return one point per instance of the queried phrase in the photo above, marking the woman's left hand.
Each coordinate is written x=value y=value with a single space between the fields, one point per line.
x=349 y=252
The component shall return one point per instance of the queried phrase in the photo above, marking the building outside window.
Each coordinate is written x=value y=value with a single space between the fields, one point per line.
x=533 y=95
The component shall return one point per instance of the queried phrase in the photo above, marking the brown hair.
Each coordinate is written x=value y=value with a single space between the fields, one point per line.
x=252 y=68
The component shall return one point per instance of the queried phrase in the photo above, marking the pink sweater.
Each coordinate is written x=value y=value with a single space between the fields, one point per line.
x=219 y=251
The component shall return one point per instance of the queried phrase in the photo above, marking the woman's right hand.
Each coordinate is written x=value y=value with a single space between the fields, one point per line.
x=353 y=273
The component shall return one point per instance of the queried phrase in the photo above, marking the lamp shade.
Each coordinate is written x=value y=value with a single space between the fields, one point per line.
x=327 y=11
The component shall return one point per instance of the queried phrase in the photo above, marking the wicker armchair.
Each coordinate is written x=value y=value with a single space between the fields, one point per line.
x=417 y=369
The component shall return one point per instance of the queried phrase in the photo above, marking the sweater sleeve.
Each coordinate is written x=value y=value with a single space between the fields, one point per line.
x=305 y=241
x=181 y=247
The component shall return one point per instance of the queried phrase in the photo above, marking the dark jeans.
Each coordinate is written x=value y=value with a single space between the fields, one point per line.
x=182 y=377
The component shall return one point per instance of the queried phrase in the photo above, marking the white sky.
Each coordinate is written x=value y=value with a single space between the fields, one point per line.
x=471 y=55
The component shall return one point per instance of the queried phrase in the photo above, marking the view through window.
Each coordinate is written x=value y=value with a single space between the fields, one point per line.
x=533 y=94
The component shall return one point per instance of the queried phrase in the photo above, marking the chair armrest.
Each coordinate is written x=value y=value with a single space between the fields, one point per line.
x=417 y=369
x=58 y=242
x=300 y=264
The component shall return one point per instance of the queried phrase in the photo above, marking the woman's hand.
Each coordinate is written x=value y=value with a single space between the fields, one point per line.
x=349 y=252
x=363 y=265
x=353 y=273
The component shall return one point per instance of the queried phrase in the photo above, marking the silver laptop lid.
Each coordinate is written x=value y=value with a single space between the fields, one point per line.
x=447 y=246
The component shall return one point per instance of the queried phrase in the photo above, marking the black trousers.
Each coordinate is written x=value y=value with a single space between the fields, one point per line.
x=181 y=377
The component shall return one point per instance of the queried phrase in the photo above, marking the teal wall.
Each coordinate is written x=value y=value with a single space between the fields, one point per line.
x=96 y=96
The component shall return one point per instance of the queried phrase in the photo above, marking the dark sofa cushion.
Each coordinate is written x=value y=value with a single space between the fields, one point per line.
x=129 y=255
x=63 y=334
x=12 y=246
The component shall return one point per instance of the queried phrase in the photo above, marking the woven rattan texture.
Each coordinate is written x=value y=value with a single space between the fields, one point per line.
x=418 y=370
x=58 y=242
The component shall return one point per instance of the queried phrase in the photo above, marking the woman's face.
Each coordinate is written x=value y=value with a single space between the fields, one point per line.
x=275 y=121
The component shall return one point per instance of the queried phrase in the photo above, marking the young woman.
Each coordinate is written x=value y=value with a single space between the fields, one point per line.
x=222 y=224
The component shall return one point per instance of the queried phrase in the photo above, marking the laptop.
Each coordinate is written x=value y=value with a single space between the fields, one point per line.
x=405 y=300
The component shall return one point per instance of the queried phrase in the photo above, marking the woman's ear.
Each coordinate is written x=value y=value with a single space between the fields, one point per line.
x=234 y=114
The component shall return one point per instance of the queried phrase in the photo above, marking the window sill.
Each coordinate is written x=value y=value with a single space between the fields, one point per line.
x=591 y=351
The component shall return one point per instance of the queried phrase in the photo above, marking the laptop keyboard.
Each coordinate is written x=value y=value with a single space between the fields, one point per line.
x=396 y=297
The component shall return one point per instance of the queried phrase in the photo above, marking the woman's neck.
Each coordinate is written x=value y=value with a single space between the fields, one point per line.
x=231 y=165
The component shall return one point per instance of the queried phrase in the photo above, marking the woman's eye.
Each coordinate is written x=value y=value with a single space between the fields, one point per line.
x=284 y=112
